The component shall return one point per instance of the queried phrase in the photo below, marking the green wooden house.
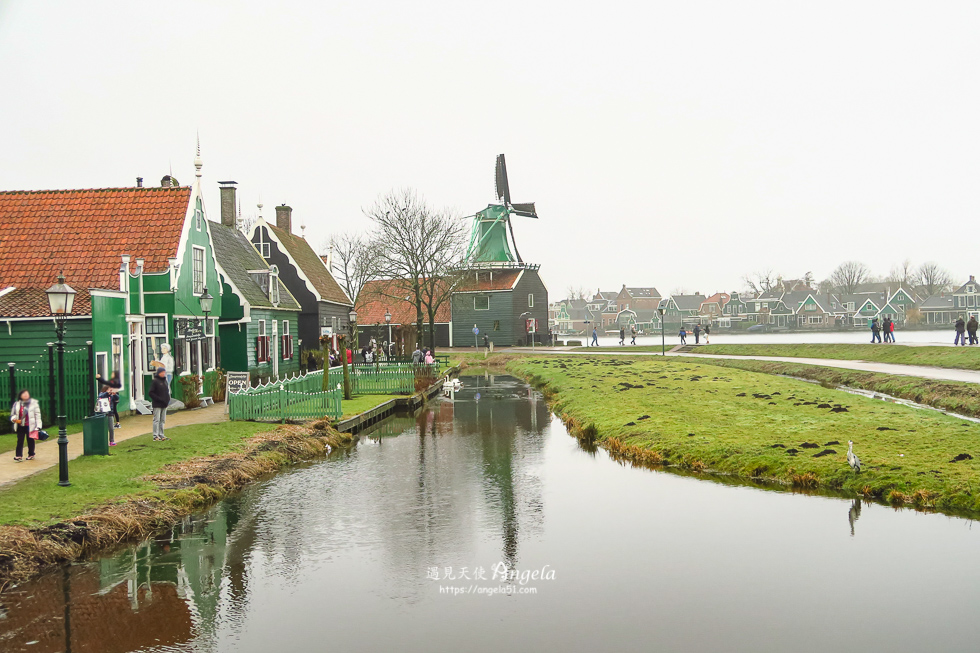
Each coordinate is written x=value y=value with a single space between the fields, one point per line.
x=140 y=259
x=259 y=316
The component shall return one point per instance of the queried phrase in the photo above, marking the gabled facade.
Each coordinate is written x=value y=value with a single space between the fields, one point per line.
x=324 y=304
x=735 y=308
x=259 y=316
x=637 y=298
x=966 y=298
x=140 y=259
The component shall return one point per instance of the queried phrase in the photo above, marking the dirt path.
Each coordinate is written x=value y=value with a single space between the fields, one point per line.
x=47 y=452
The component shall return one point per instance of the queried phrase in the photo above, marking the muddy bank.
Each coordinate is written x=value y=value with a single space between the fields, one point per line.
x=183 y=488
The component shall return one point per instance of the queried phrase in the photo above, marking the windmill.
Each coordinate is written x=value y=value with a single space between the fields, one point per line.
x=489 y=241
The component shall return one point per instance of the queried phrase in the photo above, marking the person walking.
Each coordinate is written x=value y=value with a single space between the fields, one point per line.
x=960 y=327
x=633 y=333
x=595 y=337
x=707 y=332
x=26 y=417
x=885 y=330
x=160 y=399
x=310 y=362
x=971 y=329
x=682 y=334
x=104 y=405
x=429 y=358
x=891 y=330
x=875 y=330
x=417 y=356
x=622 y=336
x=697 y=334
x=486 y=343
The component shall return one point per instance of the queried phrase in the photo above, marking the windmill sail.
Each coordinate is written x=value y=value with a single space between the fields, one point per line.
x=492 y=240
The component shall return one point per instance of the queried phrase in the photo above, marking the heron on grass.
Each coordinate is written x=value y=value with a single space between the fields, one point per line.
x=852 y=459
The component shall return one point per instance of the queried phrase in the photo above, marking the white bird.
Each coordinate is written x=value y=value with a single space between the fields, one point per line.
x=853 y=460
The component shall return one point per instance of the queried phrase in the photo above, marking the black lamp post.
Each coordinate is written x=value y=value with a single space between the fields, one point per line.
x=388 y=322
x=352 y=327
x=663 y=339
x=61 y=300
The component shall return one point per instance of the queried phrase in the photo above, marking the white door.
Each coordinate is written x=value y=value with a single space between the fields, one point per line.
x=274 y=348
x=137 y=362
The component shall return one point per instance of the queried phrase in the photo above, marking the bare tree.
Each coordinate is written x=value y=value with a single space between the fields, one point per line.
x=934 y=279
x=574 y=293
x=761 y=281
x=904 y=274
x=847 y=276
x=352 y=262
x=420 y=250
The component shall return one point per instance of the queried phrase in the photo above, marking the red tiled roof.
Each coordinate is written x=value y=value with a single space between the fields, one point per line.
x=386 y=295
x=312 y=266
x=82 y=233
x=486 y=280
x=33 y=302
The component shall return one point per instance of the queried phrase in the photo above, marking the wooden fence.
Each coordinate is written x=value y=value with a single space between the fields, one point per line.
x=41 y=379
x=276 y=403
x=384 y=379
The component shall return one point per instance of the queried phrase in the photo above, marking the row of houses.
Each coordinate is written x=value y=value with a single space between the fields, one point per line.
x=141 y=259
x=789 y=304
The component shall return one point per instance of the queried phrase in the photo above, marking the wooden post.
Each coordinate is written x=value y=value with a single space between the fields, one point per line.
x=325 y=365
x=91 y=380
x=343 y=360
x=13 y=384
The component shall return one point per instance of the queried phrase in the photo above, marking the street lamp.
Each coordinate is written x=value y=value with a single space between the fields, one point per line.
x=61 y=300
x=663 y=339
x=388 y=322
x=207 y=301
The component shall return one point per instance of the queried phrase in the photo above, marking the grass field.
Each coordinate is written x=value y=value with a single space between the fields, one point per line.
x=360 y=403
x=955 y=357
x=100 y=479
x=708 y=418
x=957 y=397
x=8 y=441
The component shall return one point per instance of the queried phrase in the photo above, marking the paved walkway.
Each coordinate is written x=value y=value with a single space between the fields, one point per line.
x=936 y=373
x=47 y=452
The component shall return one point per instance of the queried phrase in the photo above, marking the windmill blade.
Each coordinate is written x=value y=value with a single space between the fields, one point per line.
x=510 y=225
x=503 y=188
x=526 y=209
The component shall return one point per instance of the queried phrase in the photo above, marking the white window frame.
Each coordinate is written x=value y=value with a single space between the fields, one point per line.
x=102 y=366
x=261 y=328
x=530 y=301
x=274 y=289
x=204 y=270
x=116 y=337
x=198 y=216
x=148 y=338
x=477 y=308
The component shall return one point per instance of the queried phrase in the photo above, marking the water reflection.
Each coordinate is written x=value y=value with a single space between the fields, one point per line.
x=338 y=553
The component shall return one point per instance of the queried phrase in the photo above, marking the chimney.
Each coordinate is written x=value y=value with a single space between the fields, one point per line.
x=139 y=182
x=971 y=278
x=284 y=218
x=228 y=190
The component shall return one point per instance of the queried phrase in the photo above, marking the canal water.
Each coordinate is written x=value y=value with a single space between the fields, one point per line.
x=481 y=525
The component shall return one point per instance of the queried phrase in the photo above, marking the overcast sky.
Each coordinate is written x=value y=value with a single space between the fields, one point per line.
x=675 y=144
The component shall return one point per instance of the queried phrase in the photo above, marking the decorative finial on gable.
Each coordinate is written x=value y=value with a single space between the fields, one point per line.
x=260 y=208
x=239 y=223
x=197 y=159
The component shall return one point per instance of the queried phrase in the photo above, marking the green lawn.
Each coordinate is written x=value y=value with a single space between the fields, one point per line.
x=752 y=425
x=957 y=397
x=360 y=403
x=100 y=479
x=956 y=357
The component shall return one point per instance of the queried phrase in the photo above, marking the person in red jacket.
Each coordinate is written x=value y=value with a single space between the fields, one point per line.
x=350 y=357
